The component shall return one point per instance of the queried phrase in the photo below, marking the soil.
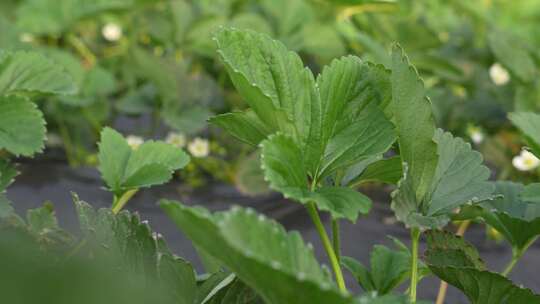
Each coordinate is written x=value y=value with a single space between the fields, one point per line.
x=54 y=181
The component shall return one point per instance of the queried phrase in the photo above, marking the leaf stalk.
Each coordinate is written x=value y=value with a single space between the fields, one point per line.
x=415 y=237
x=120 y=202
x=314 y=214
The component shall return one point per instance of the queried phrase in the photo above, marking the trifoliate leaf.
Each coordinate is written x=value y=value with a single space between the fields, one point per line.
x=273 y=262
x=529 y=124
x=31 y=72
x=516 y=218
x=123 y=168
x=457 y=262
x=460 y=179
x=22 y=128
x=414 y=122
x=336 y=121
x=284 y=168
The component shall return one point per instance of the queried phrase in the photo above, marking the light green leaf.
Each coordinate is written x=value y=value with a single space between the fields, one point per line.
x=22 y=72
x=150 y=164
x=460 y=179
x=529 y=124
x=22 y=128
x=414 y=122
x=245 y=126
x=273 y=262
x=457 y=262
x=516 y=218
x=284 y=168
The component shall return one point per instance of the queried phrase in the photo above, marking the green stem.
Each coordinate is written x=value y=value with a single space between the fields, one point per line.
x=312 y=210
x=120 y=202
x=83 y=50
x=336 y=241
x=516 y=255
x=510 y=266
x=415 y=237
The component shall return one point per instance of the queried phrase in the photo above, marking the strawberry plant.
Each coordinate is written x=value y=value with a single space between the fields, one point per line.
x=314 y=133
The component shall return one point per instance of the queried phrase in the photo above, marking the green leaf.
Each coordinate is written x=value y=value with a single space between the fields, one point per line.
x=133 y=248
x=42 y=219
x=360 y=273
x=414 y=122
x=529 y=124
x=353 y=125
x=513 y=53
x=389 y=268
x=273 y=262
x=31 y=72
x=387 y=171
x=178 y=277
x=22 y=128
x=8 y=216
x=517 y=219
x=337 y=121
x=457 y=262
x=283 y=164
x=150 y=164
x=460 y=179
x=7 y=174
x=245 y=126
x=275 y=83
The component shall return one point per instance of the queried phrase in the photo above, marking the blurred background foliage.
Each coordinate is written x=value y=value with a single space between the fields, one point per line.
x=149 y=67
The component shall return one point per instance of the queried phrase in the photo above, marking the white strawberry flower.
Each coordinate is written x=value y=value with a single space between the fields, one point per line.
x=525 y=161
x=134 y=141
x=176 y=139
x=199 y=147
x=476 y=134
x=111 y=32
x=498 y=74
x=26 y=37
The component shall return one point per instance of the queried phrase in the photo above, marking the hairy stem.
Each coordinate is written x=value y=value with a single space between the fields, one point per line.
x=120 y=202
x=314 y=214
x=336 y=240
x=415 y=237
x=444 y=286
